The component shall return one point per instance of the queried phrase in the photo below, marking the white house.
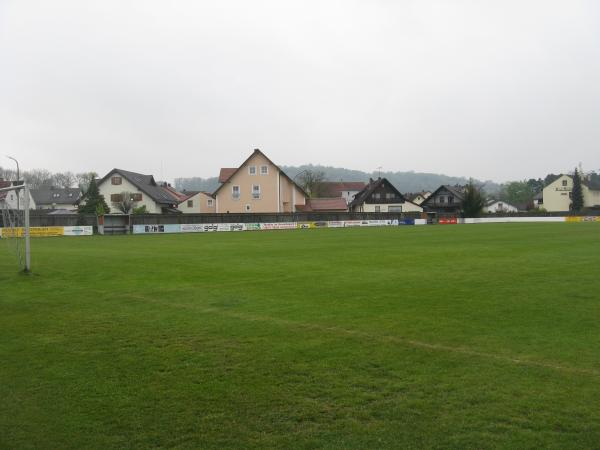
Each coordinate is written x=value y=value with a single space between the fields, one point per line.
x=497 y=206
x=557 y=195
x=15 y=199
x=56 y=198
x=144 y=191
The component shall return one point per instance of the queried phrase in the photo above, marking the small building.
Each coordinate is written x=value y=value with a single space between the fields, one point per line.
x=498 y=206
x=197 y=202
x=143 y=189
x=56 y=198
x=381 y=196
x=258 y=185
x=538 y=200
x=418 y=197
x=445 y=200
x=557 y=195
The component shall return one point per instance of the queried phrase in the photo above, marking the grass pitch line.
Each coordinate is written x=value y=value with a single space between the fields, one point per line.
x=384 y=338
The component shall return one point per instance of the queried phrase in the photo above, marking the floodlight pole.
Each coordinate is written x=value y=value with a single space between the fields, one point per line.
x=26 y=230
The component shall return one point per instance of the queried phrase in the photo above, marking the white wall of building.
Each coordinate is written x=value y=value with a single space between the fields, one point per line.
x=107 y=189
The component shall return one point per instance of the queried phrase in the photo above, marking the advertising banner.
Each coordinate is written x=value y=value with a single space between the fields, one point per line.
x=79 y=231
x=33 y=232
x=278 y=226
x=448 y=221
x=154 y=229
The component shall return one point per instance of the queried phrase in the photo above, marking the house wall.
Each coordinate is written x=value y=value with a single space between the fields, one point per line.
x=385 y=207
x=107 y=189
x=11 y=200
x=200 y=204
x=67 y=206
x=499 y=207
x=557 y=195
x=276 y=192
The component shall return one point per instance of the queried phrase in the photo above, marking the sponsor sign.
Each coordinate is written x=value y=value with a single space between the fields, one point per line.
x=156 y=229
x=448 y=221
x=406 y=222
x=582 y=219
x=335 y=224
x=305 y=225
x=33 y=232
x=79 y=231
x=278 y=226
x=254 y=226
x=353 y=223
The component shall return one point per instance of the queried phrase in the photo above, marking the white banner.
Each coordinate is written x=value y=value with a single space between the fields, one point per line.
x=78 y=231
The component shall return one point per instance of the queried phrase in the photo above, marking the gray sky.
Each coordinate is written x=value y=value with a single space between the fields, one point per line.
x=491 y=89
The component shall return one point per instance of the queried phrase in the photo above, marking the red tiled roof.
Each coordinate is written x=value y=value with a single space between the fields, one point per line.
x=226 y=173
x=324 y=204
x=174 y=192
x=335 y=188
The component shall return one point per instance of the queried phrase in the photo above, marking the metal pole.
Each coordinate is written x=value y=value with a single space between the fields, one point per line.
x=18 y=177
x=27 y=244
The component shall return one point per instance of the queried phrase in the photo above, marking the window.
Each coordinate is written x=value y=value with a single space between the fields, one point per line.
x=116 y=198
x=264 y=170
x=137 y=197
x=248 y=208
x=564 y=182
x=235 y=192
x=376 y=195
x=377 y=209
x=252 y=170
x=209 y=202
x=190 y=203
x=395 y=209
x=70 y=194
x=116 y=180
x=55 y=195
x=256 y=191
x=390 y=195
x=441 y=199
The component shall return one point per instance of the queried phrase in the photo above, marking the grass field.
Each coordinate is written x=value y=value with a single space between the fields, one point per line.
x=475 y=336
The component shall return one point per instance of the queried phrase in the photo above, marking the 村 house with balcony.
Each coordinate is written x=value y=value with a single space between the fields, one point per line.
x=445 y=200
x=258 y=185
x=381 y=196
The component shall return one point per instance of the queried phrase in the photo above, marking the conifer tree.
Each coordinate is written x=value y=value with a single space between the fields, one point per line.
x=93 y=201
x=576 y=193
x=473 y=201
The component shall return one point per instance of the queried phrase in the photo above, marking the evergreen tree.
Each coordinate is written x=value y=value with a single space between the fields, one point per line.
x=577 y=193
x=473 y=201
x=92 y=202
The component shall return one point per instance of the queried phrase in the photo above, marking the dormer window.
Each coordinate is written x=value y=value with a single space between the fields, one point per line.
x=116 y=181
x=55 y=195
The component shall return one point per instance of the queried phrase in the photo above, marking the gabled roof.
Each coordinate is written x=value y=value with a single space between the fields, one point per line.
x=49 y=195
x=189 y=194
x=457 y=191
x=335 y=188
x=173 y=191
x=144 y=183
x=225 y=172
x=362 y=196
x=323 y=204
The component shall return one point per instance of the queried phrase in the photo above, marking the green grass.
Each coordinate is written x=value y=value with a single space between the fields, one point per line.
x=477 y=336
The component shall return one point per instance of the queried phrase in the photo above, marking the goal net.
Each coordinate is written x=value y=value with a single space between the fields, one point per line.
x=14 y=225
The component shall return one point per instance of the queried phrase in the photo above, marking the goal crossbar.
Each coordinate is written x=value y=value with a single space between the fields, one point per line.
x=26 y=232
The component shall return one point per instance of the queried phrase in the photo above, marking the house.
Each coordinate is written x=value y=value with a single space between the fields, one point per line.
x=337 y=204
x=418 y=197
x=14 y=199
x=498 y=206
x=557 y=195
x=381 y=196
x=143 y=189
x=257 y=185
x=538 y=200
x=197 y=202
x=445 y=199
x=56 y=198
x=340 y=189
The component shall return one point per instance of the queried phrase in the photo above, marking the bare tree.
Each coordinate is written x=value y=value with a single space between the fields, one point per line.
x=83 y=180
x=63 y=179
x=8 y=174
x=312 y=182
x=38 y=178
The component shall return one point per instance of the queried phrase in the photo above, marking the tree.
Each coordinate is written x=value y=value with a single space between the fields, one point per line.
x=312 y=182
x=83 y=180
x=92 y=201
x=63 y=179
x=473 y=201
x=517 y=192
x=576 y=193
x=126 y=204
x=38 y=178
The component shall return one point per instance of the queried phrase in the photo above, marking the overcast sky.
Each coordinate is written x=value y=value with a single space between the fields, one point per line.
x=496 y=90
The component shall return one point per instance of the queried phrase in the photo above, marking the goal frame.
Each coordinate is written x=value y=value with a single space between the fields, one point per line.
x=26 y=231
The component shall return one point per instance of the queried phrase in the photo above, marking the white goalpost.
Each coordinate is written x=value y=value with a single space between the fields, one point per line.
x=15 y=222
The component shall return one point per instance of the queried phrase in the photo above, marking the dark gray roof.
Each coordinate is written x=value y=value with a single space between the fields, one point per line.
x=146 y=184
x=364 y=194
x=49 y=195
